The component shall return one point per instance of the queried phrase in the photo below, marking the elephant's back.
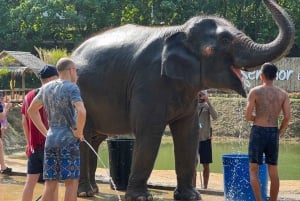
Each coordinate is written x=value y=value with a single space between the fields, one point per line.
x=112 y=65
x=125 y=40
x=120 y=54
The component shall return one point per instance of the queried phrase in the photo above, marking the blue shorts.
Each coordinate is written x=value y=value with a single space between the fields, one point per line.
x=205 y=151
x=62 y=162
x=35 y=162
x=264 y=140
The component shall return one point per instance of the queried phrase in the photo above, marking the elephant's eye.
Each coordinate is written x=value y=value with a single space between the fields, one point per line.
x=225 y=38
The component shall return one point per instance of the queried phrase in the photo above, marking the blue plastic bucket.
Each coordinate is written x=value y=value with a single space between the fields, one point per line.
x=237 y=185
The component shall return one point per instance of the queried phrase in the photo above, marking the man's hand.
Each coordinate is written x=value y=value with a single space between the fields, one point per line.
x=77 y=134
x=281 y=132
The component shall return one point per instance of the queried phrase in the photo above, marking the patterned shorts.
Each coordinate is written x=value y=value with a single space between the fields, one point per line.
x=62 y=163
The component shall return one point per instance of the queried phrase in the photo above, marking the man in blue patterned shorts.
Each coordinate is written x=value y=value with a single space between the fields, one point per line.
x=265 y=102
x=66 y=115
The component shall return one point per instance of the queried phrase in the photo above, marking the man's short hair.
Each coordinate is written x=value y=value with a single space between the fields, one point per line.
x=64 y=64
x=269 y=70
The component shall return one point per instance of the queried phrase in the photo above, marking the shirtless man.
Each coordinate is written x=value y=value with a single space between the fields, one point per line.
x=265 y=102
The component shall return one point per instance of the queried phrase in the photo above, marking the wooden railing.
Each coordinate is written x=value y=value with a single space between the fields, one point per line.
x=15 y=95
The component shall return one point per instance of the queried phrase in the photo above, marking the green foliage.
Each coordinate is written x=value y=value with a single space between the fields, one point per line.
x=3 y=71
x=5 y=61
x=66 y=23
x=51 y=56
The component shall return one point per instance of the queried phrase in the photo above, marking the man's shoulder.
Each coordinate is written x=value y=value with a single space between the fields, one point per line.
x=30 y=94
x=70 y=85
x=270 y=93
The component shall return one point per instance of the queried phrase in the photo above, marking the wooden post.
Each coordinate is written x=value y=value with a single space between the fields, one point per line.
x=23 y=84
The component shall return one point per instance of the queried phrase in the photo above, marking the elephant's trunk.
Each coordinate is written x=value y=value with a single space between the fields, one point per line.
x=252 y=55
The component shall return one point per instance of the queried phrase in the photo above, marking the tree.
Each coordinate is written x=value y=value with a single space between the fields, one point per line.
x=7 y=33
x=66 y=23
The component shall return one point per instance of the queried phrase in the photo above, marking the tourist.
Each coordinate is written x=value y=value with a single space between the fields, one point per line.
x=66 y=116
x=4 y=122
x=265 y=103
x=205 y=111
x=4 y=108
x=34 y=138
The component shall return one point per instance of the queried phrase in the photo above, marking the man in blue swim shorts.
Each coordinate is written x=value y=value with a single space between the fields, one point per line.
x=265 y=103
x=66 y=115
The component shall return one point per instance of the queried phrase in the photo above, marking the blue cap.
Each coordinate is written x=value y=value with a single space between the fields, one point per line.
x=48 y=71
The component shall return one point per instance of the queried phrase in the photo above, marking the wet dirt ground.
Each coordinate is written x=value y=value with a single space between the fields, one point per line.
x=11 y=188
x=161 y=185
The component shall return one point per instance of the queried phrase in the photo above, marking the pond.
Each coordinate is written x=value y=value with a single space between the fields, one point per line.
x=289 y=157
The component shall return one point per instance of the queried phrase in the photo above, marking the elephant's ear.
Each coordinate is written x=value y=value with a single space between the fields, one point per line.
x=178 y=62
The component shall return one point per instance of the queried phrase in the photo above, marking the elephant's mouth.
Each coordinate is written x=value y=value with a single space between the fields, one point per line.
x=237 y=72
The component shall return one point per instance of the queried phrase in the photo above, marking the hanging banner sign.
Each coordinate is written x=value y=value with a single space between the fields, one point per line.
x=288 y=75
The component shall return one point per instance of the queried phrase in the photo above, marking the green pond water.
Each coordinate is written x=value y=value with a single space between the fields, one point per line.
x=289 y=157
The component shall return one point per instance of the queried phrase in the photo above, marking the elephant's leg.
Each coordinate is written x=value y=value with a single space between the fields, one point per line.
x=144 y=154
x=96 y=141
x=185 y=136
x=85 y=188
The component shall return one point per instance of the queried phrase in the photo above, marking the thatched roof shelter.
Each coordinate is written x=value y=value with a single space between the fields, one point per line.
x=23 y=62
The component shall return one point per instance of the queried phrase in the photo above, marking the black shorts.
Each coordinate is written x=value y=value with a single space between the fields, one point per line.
x=35 y=162
x=205 y=151
x=263 y=140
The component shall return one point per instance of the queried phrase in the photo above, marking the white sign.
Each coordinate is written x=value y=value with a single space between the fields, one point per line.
x=281 y=75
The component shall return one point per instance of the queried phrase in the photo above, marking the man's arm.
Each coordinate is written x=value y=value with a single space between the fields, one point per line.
x=25 y=128
x=213 y=113
x=81 y=117
x=250 y=106
x=2 y=115
x=34 y=114
x=4 y=109
x=286 y=109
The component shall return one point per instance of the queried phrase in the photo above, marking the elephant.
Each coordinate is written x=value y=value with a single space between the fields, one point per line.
x=138 y=79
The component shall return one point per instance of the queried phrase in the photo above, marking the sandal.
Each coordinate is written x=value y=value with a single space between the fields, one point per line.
x=6 y=171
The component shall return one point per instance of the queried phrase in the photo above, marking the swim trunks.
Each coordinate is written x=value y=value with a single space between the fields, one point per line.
x=263 y=140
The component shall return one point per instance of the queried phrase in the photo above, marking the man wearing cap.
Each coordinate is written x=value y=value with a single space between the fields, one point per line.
x=205 y=110
x=34 y=138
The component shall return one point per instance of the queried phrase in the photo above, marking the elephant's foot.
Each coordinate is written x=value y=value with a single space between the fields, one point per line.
x=95 y=188
x=138 y=196
x=85 y=190
x=187 y=194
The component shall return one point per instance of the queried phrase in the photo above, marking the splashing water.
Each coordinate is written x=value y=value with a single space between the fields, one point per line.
x=111 y=180
x=246 y=84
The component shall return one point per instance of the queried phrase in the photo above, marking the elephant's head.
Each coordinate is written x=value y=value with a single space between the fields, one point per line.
x=209 y=52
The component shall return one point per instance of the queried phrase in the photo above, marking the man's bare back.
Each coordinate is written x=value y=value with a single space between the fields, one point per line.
x=269 y=101
x=265 y=102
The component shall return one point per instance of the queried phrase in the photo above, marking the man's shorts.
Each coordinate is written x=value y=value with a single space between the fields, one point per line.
x=35 y=162
x=62 y=162
x=264 y=140
x=205 y=151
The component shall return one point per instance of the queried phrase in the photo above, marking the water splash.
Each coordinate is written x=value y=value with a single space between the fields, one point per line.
x=246 y=83
x=111 y=180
